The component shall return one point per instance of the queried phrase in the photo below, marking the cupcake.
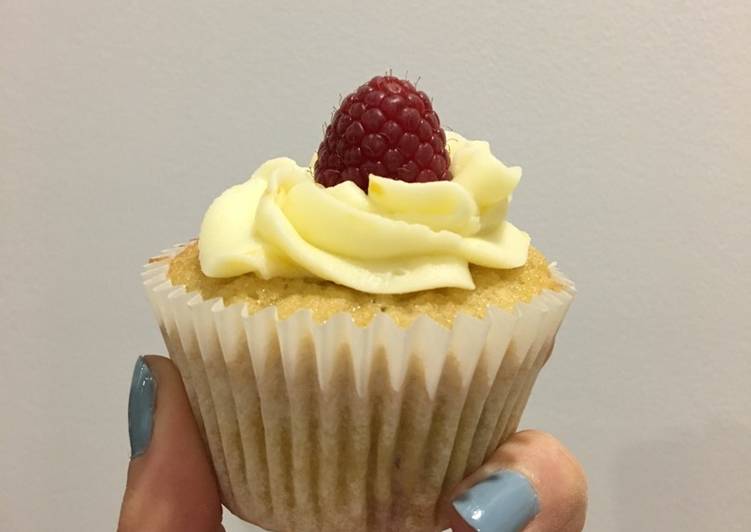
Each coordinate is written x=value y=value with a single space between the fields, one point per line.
x=358 y=335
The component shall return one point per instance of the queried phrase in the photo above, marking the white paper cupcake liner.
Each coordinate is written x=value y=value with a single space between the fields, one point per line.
x=330 y=426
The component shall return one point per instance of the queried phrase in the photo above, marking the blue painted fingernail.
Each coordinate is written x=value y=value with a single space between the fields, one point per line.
x=141 y=408
x=503 y=502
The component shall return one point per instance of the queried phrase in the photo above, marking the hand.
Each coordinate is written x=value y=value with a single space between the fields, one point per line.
x=531 y=479
x=171 y=485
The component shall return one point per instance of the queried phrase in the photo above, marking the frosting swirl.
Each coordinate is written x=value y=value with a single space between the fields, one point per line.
x=398 y=238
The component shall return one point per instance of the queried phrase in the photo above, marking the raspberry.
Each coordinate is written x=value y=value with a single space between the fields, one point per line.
x=388 y=128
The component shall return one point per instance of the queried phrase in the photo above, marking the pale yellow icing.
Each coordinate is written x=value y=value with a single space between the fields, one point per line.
x=398 y=238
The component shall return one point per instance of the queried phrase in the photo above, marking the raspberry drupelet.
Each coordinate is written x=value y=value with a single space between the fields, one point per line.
x=387 y=128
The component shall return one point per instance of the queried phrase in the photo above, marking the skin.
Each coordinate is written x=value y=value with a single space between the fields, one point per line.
x=554 y=472
x=172 y=488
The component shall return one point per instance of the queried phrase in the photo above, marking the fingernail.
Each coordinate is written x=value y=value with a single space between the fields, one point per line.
x=503 y=502
x=141 y=408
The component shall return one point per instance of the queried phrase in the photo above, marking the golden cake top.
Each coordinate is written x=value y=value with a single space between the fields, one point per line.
x=502 y=288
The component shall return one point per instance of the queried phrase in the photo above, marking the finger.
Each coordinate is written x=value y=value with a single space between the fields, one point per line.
x=531 y=483
x=171 y=485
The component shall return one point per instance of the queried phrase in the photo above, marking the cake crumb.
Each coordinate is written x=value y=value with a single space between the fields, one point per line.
x=494 y=288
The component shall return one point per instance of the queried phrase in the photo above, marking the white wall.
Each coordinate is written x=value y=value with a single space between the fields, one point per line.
x=119 y=123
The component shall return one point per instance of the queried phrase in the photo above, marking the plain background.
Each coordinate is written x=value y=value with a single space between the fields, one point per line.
x=119 y=122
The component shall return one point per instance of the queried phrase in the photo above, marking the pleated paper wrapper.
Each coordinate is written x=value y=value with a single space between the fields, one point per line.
x=330 y=426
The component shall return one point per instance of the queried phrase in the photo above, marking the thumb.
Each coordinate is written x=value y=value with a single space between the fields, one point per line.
x=171 y=485
x=532 y=484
